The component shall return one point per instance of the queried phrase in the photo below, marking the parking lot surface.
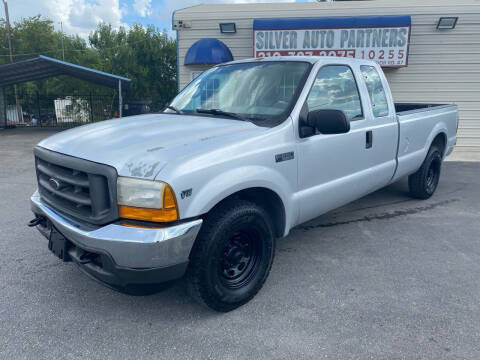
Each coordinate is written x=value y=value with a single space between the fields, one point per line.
x=386 y=277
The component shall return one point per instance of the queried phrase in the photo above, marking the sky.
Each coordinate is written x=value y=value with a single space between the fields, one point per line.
x=81 y=16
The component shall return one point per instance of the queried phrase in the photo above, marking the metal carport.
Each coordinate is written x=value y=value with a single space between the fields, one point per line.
x=43 y=67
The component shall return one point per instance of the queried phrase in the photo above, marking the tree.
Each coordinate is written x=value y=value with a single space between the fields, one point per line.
x=146 y=55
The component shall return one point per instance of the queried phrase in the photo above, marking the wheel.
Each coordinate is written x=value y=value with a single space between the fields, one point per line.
x=424 y=182
x=232 y=256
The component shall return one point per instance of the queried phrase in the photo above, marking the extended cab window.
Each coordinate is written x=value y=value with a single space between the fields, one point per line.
x=375 y=90
x=335 y=89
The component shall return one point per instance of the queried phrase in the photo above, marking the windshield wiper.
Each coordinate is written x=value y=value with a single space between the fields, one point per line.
x=174 y=109
x=222 y=113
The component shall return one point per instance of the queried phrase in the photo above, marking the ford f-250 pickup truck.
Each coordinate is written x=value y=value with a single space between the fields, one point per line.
x=245 y=152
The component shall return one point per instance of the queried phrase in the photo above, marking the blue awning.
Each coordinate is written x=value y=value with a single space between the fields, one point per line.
x=208 y=51
x=332 y=22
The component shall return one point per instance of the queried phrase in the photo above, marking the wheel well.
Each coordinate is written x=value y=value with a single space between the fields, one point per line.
x=267 y=199
x=440 y=141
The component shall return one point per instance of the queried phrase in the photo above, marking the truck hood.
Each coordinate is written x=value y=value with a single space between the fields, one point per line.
x=140 y=146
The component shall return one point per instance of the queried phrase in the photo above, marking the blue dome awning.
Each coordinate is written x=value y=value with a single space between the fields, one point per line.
x=208 y=51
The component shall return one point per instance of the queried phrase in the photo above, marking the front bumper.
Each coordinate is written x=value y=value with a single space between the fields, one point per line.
x=129 y=254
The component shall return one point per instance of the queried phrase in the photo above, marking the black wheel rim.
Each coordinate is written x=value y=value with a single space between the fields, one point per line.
x=433 y=174
x=240 y=258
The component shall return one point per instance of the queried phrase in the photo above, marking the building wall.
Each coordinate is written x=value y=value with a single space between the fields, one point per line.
x=443 y=65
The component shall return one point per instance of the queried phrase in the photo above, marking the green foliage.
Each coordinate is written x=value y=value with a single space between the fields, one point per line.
x=145 y=55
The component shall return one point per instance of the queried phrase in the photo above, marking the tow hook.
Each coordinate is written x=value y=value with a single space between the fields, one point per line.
x=37 y=221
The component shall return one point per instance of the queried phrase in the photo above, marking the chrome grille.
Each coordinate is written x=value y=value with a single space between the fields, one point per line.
x=79 y=188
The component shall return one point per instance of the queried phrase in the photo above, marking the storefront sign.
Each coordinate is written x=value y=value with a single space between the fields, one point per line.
x=384 y=39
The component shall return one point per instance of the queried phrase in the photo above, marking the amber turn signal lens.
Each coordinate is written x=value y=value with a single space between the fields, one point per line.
x=155 y=215
x=169 y=201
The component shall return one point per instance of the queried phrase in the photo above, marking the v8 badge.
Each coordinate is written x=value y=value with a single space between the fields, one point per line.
x=186 y=193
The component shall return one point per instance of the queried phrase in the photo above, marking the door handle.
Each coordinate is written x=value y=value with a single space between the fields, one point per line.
x=368 y=139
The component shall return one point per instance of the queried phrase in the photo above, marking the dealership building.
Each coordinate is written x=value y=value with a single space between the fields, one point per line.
x=429 y=50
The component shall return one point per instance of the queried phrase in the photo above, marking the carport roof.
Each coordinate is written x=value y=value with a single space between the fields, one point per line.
x=43 y=66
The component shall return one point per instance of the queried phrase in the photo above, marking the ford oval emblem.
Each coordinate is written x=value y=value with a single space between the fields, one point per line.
x=54 y=183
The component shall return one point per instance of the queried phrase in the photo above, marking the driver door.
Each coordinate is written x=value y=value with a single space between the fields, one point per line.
x=334 y=169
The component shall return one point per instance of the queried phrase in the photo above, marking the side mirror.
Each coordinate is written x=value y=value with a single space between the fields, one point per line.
x=329 y=121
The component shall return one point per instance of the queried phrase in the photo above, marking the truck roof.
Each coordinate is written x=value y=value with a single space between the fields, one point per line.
x=310 y=59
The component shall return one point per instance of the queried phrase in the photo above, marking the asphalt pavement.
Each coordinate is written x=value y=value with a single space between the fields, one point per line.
x=386 y=277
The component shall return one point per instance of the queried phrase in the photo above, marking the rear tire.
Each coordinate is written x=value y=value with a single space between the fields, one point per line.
x=232 y=256
x=424 y=182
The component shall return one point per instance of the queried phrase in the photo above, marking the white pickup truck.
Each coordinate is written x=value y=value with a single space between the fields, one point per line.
x=245 y=152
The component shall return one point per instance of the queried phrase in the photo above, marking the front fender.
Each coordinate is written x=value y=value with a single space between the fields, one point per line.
x=227 y=183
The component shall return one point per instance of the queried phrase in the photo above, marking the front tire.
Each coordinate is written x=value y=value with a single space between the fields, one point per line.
x=232 y=256
x=424 y=182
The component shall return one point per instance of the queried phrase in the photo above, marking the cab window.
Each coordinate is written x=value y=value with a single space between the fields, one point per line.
x=375 y=90
x=335 y=89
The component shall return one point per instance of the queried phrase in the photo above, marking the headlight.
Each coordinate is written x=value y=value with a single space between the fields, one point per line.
x=146 y=200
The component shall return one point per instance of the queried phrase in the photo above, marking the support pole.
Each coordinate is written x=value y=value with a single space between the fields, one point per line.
x=3 y=108
x=39 y=119
x=91 y=107
x=120 y=99
x=9 y=36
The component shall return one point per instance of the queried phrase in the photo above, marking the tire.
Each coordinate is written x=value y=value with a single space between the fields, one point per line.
x=232 y=256
x=424 y=182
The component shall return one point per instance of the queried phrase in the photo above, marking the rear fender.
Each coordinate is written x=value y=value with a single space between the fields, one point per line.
x=410 y=162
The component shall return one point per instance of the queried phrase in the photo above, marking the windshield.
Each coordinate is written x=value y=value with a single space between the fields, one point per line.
x=246 y=91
